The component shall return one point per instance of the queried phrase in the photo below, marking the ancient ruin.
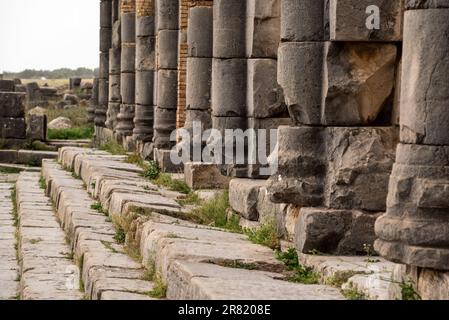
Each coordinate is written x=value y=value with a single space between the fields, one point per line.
x=325 y=122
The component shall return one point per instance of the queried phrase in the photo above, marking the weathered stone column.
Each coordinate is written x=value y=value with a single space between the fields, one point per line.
x=115 y=52
x=229 y=71
x=93 y=102
x=145 y=69
x=338 y=82
x=125 y=118
x=105 y=45
x=415 y=229
x=167 y=26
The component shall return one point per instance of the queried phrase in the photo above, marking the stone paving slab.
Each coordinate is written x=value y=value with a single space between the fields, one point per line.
x=8 y=264
x=105 y=266
x=47 y=271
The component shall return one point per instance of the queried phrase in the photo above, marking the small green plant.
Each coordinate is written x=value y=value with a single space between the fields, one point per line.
x=10 y=170
x=152 y=170
x=120 y=236
x=368 y=248
x=265 y=235
x=113 y=147
x=408 y=292
x=296 y=272
x=35 y=241
x=82 y=132
x=97 y=207
x=351 y=293
x=159 y=289
x=42 y=183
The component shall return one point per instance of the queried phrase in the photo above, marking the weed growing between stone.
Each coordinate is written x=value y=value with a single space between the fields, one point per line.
x=113 y=147
x=408 y=292
x=159 y=290
x=296 y=272
x=120 y=236
x=352 y=293
x=97 y=207
x=42 y=183
x=265 y=235
x=10 y=170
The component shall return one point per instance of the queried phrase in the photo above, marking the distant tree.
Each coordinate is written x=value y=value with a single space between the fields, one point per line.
x=62 y=73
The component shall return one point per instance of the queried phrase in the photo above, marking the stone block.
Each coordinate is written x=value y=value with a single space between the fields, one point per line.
x=128 y=87
x=35 y=157
x=128 y=58
x=37 y=127
x=263 y=28
x=7 y=85
x=229 y=20
x=145 y=26
x=200 y=32
x=199 y=175
x=12 y=128
x=144 y=87
x=104 y=65
x=223 y=123
x=300 y=68
x=339 y=232
x=117 y=34
x=167 y=44
x=12 y=104
x=199 y=74
x=8 y=156
x=303 y=20
x=229 y=87
x=244 y=195
x=128 y=23
x=167 y=15
x=145 y=53
x=354 y=21
x=167 y=89
x=357 y=93
x=114 y=88
x=265 y=98
x=424 y=112
x=162 y=158
x=114 y=61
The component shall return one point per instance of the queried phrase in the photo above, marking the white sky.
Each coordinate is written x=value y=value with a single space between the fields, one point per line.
x=48 y=34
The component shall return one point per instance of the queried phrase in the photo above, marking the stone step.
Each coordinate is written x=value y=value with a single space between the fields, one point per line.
x=47 y=270
x=9 y=270
x=26 y=157
x=193 y=261
x=107 y=272
x=69 y=143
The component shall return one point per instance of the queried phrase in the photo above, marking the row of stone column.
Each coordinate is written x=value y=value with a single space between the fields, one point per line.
x=338 y=80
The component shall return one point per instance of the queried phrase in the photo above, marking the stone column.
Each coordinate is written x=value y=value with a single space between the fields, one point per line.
x=145 y=69
x=338 y=79
x=105 y=45
x=115 y=52
x=93 y=102
x=415 y=229
x=166 y=96
x=229 y=68
x=125 y=118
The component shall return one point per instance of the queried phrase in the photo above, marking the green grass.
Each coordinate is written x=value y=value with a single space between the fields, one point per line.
x=353 y=294
x=97 y=207
x=42 y=183
x=83 y=132
x=78 y=115
x=408 y=292
x=214 y=212
x=10 y=170
x=265 y=235
x=159 y=290
x=296 y=272
x=120 y=236
x=113 y=147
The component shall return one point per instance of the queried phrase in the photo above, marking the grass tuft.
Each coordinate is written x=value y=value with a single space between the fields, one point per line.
x=296 y=272
x=408 y=292
x=265 y=235
x=113 y=147
x=159 y=290
x=120 y=236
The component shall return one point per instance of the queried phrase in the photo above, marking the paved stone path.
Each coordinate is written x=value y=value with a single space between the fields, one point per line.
x=47 y=269
x=8 y=263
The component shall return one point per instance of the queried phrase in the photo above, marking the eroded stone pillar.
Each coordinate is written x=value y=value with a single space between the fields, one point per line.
x=125 y=118
x=145 y=69
x=115 y=98
x=334 y=164
x=166 y=94
x=103 y=78
x=415 y=229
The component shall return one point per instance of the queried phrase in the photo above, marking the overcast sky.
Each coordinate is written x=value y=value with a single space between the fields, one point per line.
x=48 y=34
